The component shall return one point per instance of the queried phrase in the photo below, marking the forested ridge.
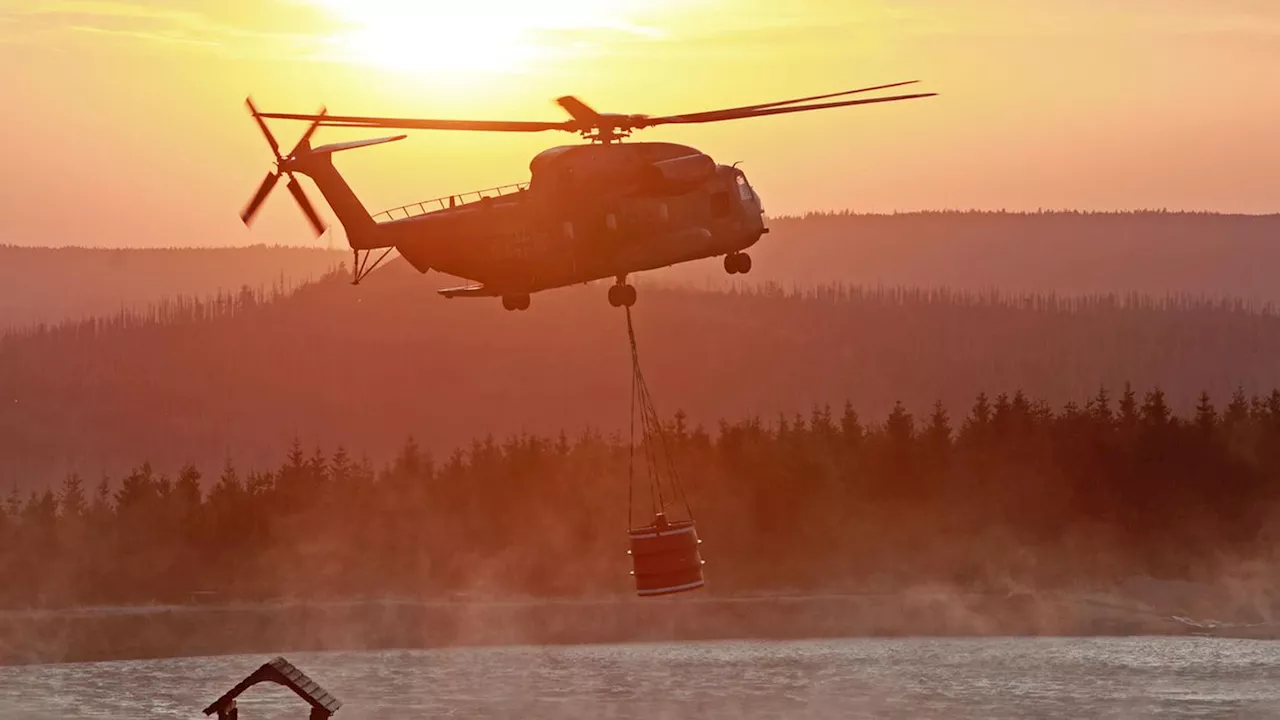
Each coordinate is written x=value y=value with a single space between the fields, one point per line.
x=1006 y=493
x=241 y=373
x=1056 y=252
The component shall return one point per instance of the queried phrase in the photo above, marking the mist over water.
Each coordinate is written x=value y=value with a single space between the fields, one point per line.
x=903 y=678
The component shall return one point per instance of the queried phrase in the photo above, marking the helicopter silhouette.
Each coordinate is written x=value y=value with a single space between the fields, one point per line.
x=603 y=209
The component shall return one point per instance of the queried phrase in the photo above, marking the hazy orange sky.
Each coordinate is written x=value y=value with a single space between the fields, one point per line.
x=124 y=122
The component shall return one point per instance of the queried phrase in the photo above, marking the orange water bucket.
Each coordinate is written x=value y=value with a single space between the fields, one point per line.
x=665 y=558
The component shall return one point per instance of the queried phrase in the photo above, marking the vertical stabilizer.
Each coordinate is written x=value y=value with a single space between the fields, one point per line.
x=317 y=163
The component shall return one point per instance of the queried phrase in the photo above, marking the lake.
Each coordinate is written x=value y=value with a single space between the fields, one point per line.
x=1166 y=677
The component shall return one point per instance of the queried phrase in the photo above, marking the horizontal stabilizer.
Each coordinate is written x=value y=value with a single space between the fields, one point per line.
x=352 y=144
x=468 y=291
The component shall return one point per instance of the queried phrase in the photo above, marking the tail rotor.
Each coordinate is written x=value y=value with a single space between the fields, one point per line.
x=283 y=167
x=295 y=188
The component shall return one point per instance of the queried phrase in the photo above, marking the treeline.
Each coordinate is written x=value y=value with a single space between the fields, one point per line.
x=1009 y=493
x=51 y=284
x=222 y=305
x=242 y=373
x=1040 y=213
x=1047 y=302
x=163 y=312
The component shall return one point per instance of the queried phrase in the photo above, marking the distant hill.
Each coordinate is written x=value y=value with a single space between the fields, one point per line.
x=1043 y=253
x=52 y=284
x=1051 y=252
x=362 y=366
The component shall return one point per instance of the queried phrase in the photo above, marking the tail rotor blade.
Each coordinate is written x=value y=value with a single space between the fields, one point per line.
x=262 y=125
x=295 y=188
x=306 y=137
x=264 y=189
x=269 y=182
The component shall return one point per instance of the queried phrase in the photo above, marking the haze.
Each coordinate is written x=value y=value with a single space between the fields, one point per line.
x=133 y=130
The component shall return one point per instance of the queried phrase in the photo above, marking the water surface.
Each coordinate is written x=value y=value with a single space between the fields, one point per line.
x=1185 y=677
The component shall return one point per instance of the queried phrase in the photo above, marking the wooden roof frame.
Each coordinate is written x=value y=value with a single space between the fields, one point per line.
x=282 y=672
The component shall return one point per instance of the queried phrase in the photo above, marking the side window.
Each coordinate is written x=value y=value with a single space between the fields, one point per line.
x=720 y=204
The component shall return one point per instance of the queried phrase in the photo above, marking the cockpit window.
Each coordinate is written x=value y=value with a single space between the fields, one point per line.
x=744 y=190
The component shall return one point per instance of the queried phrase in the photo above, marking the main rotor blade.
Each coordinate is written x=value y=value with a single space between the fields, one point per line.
x=275 y=147
x=264 y=189
x=736 y=114
x=586 y=118
x=426 y=124
x=760 y=106
x=295 y=187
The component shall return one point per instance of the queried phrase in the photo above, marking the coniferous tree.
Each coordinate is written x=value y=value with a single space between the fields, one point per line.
x=938 y=433
x=851 y=429
x=340 y=467
x=72 y=503
x=1128 y=408
x=1206 y=415
x=1155 y=411
x=1237 y=412
x=900 y=426
x=1100 y=407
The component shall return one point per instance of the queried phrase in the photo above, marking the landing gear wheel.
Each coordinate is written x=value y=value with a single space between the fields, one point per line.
x=515 y=302
x=622 y=295
x=735 y=263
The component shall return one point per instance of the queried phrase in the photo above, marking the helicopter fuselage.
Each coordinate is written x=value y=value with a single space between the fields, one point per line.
x=589 y=212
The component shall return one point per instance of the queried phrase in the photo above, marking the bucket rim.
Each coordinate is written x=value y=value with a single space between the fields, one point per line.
x=678 y=527
x=671 y=589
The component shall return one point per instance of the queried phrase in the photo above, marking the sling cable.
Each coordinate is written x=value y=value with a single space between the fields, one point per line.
x=664 y=553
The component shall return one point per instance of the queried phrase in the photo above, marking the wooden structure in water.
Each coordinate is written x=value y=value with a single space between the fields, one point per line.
x=282 y=672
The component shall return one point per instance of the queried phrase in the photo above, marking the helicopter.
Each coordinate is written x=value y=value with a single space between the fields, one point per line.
x=599 y=210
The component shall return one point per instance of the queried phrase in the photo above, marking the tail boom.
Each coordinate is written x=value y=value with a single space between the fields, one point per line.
x=362 y=231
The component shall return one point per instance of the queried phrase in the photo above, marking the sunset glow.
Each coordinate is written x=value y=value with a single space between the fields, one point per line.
x=1050 y=104
x=481 y=36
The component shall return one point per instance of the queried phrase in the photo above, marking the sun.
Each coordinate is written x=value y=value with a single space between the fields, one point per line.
x=463 y=36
